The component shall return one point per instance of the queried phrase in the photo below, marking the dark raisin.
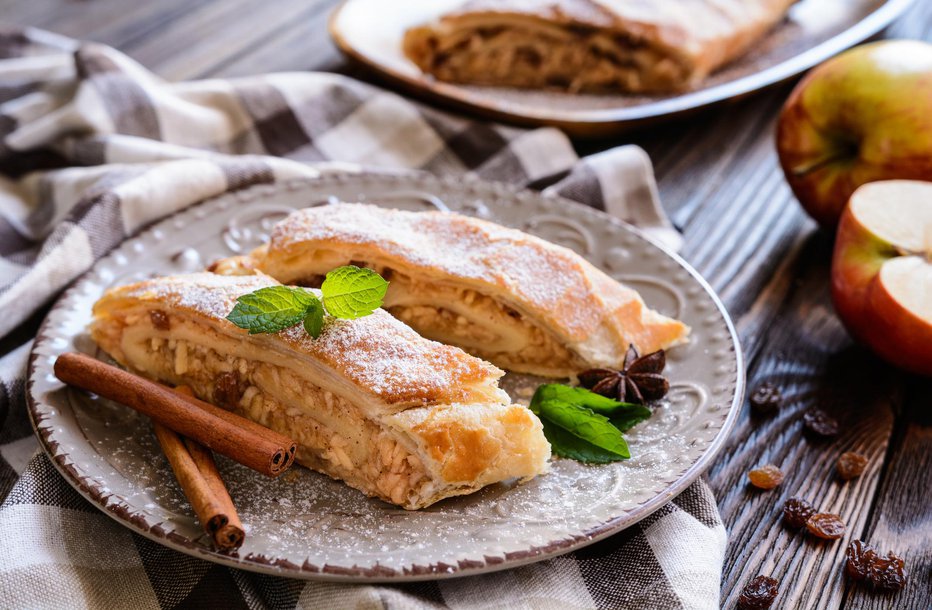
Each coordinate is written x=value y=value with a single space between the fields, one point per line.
x=826 y=526
x=821 y=423
x=227 y=390
x=850 y=465
x=884 y=573
x=858 y=558
x=796 y=512
x=767 y=398
x=766 y=477
x=160 y=319
x=758 y=594
x=529 y=56
x=887 y=573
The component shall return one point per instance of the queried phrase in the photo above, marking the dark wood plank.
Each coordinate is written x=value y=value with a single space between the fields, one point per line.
x=110 y=22
x=302 y=44
x=902 y=519
x=213 y=34
x=719 y=178
x=810 y=356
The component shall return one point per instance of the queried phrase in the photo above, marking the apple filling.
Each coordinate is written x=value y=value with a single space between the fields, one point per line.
x=575 y=58
x=332 y=435
x=479 y=325
x=472 y=321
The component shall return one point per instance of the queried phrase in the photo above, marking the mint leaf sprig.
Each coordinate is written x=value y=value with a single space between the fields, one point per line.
x=348 y=293
x=583 y=425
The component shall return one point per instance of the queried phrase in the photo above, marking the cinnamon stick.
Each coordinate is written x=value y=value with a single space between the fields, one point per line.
x=200 y=480
x=228 y=532
x=236 y=437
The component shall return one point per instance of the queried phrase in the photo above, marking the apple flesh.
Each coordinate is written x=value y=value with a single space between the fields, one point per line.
x=862 y=116
x=882 y=271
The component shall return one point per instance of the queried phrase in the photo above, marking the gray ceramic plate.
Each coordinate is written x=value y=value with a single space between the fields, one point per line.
x=814 y=31
x=308 y=526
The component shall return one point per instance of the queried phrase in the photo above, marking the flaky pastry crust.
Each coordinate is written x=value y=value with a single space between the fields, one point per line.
x=513 y=299
x=369 y=402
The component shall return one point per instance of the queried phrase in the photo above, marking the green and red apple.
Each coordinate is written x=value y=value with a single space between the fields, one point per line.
x=882 y=271
x=862 y=116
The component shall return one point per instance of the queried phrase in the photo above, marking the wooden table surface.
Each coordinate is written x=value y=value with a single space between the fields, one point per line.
x=744 y=231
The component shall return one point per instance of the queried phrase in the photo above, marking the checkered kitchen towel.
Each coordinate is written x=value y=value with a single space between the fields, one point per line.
x=92 y=147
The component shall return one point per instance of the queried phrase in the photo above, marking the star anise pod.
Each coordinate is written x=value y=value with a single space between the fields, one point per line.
x=638 y=381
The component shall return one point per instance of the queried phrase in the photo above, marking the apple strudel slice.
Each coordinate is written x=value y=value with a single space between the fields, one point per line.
x=369 y=402
x=589 y=45
x=513 y=299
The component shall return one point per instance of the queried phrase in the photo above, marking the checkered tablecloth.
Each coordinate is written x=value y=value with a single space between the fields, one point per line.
x=93 y=147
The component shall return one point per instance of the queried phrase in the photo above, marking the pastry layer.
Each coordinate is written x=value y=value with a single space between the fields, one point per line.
x=589 y=45
x=516 y=300
x=411 y=452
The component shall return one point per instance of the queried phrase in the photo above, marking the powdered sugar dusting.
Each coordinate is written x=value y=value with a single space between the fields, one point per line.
x=206 y=293
x=379 y=354
x=535 y=274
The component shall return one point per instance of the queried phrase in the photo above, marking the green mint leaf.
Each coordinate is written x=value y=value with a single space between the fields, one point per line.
x=585 y=424
x=630 y=417
x=579 y=396
x=314 y=318
x=271 y=309
x=566 y=445
x=350 y=292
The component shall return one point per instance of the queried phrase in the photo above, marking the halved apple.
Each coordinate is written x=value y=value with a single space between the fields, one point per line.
x=882 y=271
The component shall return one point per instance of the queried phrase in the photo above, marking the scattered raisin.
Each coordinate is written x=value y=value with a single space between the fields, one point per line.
x=858 y=558
x=850 y=465
x=887 y=573
x=796 y=512
x=884 y=573
x=159 y=319
x=766 y=477
x=821 y=423
x=758 y=594
x=767 y=398
x=826 y=525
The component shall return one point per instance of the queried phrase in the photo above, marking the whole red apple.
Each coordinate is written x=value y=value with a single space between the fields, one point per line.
x=882 y=271
x=862 y=116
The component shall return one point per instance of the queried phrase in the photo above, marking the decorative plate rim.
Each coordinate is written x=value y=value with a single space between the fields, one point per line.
x=581 y=121
x=280 y=567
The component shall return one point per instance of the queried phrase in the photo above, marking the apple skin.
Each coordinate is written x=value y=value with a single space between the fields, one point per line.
x=868 y=311
x=863 y=116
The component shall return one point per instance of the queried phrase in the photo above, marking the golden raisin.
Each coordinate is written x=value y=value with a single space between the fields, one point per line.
x=796 y=512
x=826 y=525
x=758 y=594
x=850 y=465
x=766 y=477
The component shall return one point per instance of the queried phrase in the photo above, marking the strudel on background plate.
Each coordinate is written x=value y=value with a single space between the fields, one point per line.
x=590 y=45
x=513 y=299
x=369 y=401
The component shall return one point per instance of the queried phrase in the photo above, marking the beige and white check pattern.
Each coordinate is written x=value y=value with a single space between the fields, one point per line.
x=93 y=147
